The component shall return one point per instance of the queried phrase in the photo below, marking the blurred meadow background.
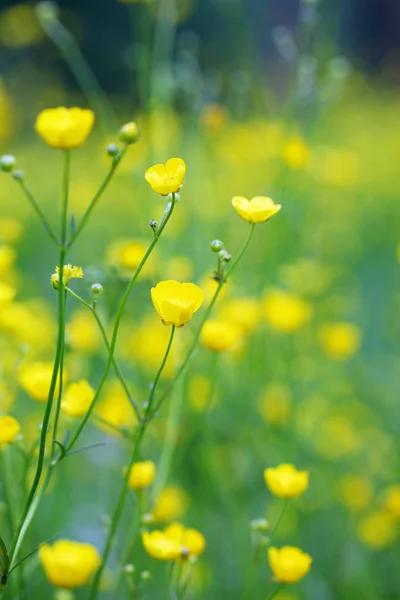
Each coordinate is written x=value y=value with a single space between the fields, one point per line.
x=294 y=100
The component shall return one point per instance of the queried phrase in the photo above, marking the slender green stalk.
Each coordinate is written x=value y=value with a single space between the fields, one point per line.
x=30 y=505
x=98 y=195
x=7 y=481
x=33 y=202
x=206 y=315
x=107 y=344
x=275 y=591
x=167 y=215
x=119 y=430
x=280 y=518
x=125 y=486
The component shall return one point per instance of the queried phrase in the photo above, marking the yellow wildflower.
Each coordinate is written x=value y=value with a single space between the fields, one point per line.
x=7 y=293
x=146 y=345
x=158 y=545
x=64 y=128
x=340 y=340
x=10 y=230
x=296 y=153
x=258 y=210
x=115 y=408
x=82 y=332
x=220 y=335
x=377 y=530
x=243 y=312
x=127 y=255
x=285 y=312
x=168 y=178
x=392 y=500
x=170 y=504
x=356 y=492
x=275 y=404
x=289 y=564
x=142 y=475
x=77 y=399
x=285 y=481
x=35 y=379
x=9 y=430
x=192 y=541
x=69 y=271
x=176 y=302
x=68 y=564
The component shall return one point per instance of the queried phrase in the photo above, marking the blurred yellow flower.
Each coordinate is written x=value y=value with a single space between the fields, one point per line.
x=69 y=272
x=377 y=530
x=115 y=408
x=180 y=267
x=10 y=230
x=176 y=302
x=289 y=564
x=7 y=259
x=9 y=430
x=275 y=404
x=168 y=178
x=285 y=481
x=340 y=340
x=146 y=345
x=29 y=323
x=257 y=210
x=174 y=543
x=336 y=437
x=171 y=504
x=220 y=335
x=77 y=399
x=199 y=391
x=127 y=255
x=192 y=542
x=82 y=332
x=356 y=492
x=35 y=379
x=142 y=475
x=285 y=312
x=68 y=564
x=19 y=26
x=7 y=293
x=243 y=312
x=392 y=500
x=296 y=153
x=64 y=128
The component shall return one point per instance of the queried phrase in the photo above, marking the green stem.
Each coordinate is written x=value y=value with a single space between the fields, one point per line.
x=5 y=469
x=275 y=591
x=30 y=506
x=279 y=521
x=125 y=486
x=32 y=200
x=98 y=195
x=206 y=315
x=167 y=215
x=107 y=344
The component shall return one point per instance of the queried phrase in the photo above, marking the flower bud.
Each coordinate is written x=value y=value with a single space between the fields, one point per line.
x=129 y=133
x=216 y=245
x=129 y=569
x=259 y=525
x=147 y=518
x=18 y=175
x=97 y=288
x=145 y=575
x=225 y=256
x=154 y=225
x=46 y=11
x=112 y=150
x=7 y=163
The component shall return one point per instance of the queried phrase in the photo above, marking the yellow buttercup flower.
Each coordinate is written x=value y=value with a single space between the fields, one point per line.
x=191 y=541
x=9 y=430
x=220 y=335
x=82 y=332
x=68 y=564
x=69 y=272
x=142 y=475
x=77 y=399
x=356 y=492
x=289 y=564
x=176 y=302
x=258 y=210
x=296 y=153
x=275 y=404
x=35 y=379
x=392 y=500
x=167 y=179
x=170 y=504
x=65 y=128
x=115 y=408
x=243 y=312
x=285 y=481
x=285 y=312
x=174 y=543
x=340 y=340
x=377 y=530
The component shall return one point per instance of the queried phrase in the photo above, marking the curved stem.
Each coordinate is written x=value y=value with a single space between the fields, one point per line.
x=275 y=591
x=98 y=195
x=279 y=521
x=125 y=486
x=167 y=215
x=107 y=344
x=205 y=318
x=33 y=202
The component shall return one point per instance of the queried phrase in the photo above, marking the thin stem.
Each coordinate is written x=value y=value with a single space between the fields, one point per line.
x=107 y=344
x=116 y=428
x=205 y=318
x=280 y=518
x=30 y=506
x=33 y=202
x=98 y=195
x=125 y=486
x=167 y=215
x=275 y=591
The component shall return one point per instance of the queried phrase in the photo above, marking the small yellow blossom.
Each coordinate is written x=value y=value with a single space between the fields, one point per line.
x=392 y=500
x=82 y=332
x=9 y=430
x=77 y=399
x=192 y=541
x=275 y=404
x=68 y=564
x=70 y=272
x=115 y=408
x=35 y=379
x=258 y=210
x=285 y=481
x=167 y=179
x=174 y=543
x=296 y=153
x=10 y=230
x=142 y=475
x=289 y=564
x=146 y=345
x=340 y=340
x=176 y=302
x=285 y=312
x=7 y=293
x=356 y=492
x=64 y=128
x=170 y=504
x=220 y=335
x=243 y=312
x=377 y=530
